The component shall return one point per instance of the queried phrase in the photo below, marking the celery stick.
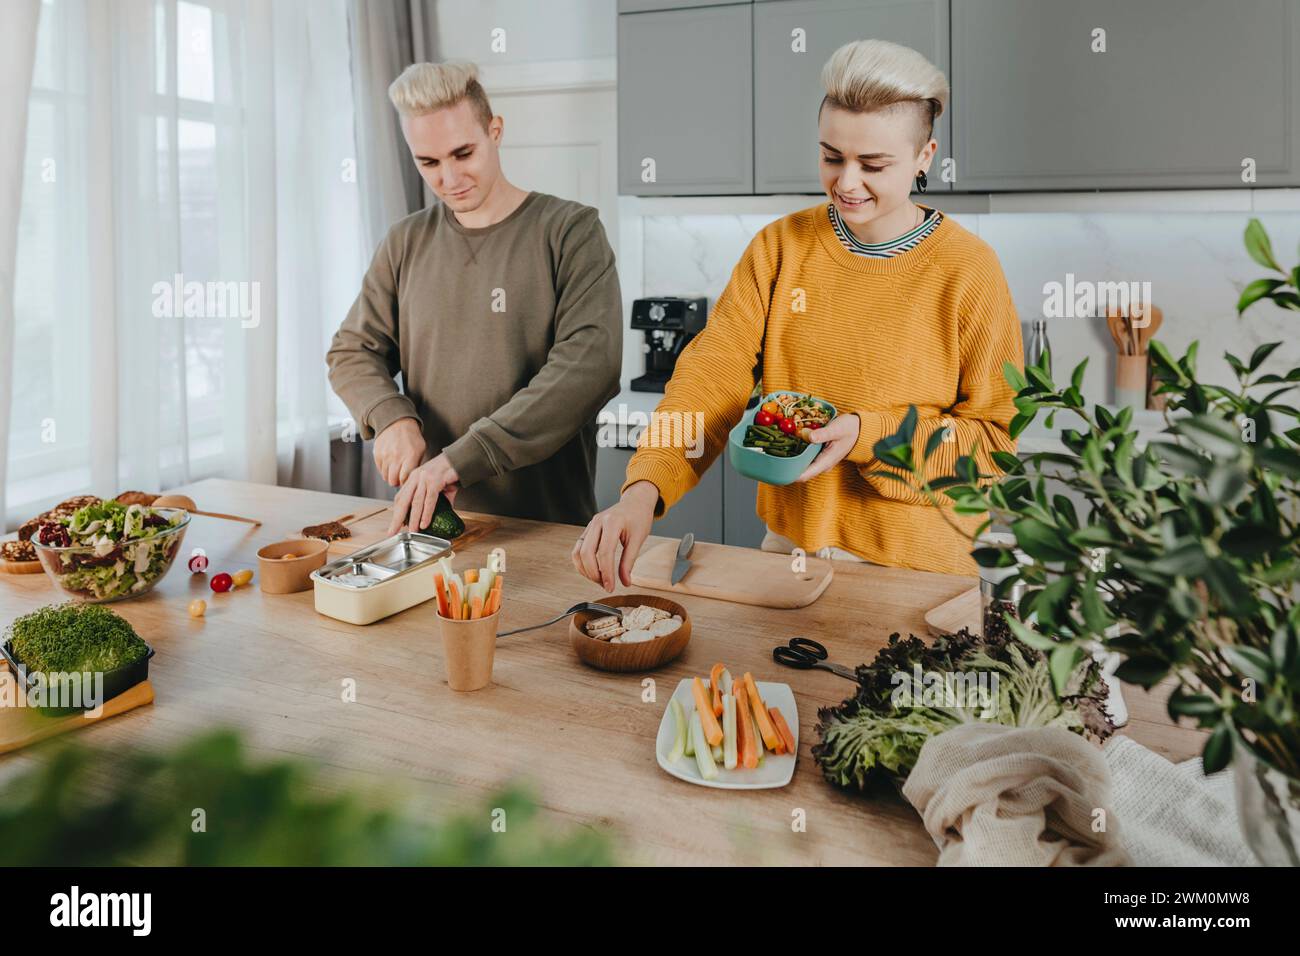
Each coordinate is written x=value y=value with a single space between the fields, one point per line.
x=725 y=680
x=716 y=750
x=679 y=732
x=758 y=737
x=703 y=753
x=729 y=756
x=687 y=714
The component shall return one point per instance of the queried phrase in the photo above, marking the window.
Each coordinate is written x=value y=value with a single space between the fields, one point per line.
x=198 y=146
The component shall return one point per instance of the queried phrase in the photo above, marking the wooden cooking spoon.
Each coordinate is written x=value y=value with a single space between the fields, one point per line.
x=1145 y=335
x=186 y=502
x=1118 y=331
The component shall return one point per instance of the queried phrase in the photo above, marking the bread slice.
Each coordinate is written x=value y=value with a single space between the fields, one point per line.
x=329 y=531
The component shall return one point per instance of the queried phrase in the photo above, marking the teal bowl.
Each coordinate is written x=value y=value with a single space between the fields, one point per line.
x=757 y=464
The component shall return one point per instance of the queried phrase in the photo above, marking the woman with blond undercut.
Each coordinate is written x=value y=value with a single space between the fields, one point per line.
x=902 y=307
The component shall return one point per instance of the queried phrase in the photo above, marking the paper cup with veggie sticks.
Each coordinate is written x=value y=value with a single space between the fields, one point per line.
x=468 y=649
x=468 y=608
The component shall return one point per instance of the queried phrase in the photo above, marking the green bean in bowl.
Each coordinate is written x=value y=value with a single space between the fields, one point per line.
x=773 y=442
x=109 y=550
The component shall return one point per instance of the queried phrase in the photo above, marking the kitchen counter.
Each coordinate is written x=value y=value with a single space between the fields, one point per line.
x=583 y=739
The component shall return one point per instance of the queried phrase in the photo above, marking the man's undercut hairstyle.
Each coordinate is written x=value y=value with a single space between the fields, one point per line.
x=866 y=76
x=425 y=87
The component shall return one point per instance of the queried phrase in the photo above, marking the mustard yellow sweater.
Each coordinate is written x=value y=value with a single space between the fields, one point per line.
x=930 y=327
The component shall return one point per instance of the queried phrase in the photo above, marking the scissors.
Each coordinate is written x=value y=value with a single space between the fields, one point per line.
x=804 y=654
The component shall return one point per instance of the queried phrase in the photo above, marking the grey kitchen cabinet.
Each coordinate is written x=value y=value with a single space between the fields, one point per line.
x=741 y=525
x=645 y=6
x=700 y=510
x=787 y=84
x=1184 y=93
x=685 y=101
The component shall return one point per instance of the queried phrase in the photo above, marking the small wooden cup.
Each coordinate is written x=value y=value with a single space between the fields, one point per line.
x=644 y=656
x=468 y=649
x=278 y=575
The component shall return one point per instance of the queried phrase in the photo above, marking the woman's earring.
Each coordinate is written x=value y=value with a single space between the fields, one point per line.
x=921 y=181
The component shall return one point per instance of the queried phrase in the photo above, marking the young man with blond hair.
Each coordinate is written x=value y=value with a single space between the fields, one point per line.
x=501 y=309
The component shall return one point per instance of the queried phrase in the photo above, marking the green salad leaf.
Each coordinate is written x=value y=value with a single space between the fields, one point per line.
x=914 y=690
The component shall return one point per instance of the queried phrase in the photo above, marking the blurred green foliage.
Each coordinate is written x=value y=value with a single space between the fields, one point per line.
x=72 y=811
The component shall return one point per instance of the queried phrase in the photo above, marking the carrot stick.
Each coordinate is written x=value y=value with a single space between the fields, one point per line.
x=715 y=682
x=443 y=608
x=782 y=728
x=471 y=575
x=476 y=607
x=771 y=739
x=493 y=602
x=712 y=729
x=455 y=602
x=745 y=741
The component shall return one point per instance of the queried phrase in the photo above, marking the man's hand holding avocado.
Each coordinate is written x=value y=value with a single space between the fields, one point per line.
x=424 y=503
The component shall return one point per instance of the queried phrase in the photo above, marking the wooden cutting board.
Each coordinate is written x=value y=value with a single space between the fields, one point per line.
x=740 y=575
x=18 y=567
x=965 y=610
x=23 y=726
x=374 y=528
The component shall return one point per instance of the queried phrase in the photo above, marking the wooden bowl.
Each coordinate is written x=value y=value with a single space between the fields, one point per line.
x=647 y=655
x=278 y=575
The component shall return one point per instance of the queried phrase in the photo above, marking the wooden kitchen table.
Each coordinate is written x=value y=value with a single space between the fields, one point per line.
x=583 y=739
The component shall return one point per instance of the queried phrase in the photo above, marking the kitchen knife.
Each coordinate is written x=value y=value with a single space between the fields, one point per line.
x=682 y=564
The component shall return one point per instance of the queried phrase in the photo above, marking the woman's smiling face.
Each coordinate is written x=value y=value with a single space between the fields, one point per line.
x=869 y=161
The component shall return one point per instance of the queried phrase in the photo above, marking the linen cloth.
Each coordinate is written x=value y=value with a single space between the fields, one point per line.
x=992 y=795
x=1173 y=814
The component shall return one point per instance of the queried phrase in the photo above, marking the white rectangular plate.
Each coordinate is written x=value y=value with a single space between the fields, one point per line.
x=775 y=771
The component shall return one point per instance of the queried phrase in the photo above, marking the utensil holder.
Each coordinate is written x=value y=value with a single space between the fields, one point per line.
x=1131 y=381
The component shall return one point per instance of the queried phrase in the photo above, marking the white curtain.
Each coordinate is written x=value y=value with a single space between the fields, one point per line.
x=17 y=55
x=385 y=39
x=322 y=250
x=203 y=147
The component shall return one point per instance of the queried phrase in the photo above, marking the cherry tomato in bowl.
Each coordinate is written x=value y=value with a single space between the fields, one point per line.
x=764 y=417
x=786 y=425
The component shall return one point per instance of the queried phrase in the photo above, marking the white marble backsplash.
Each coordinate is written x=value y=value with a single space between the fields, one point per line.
x=1195 y=261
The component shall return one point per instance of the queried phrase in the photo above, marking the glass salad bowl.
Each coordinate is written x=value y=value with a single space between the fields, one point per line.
x=115 y=570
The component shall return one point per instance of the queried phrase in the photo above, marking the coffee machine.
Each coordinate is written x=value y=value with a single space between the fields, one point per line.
x=669 y=323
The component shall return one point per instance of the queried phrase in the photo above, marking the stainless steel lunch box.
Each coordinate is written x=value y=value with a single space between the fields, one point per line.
x=381 y=579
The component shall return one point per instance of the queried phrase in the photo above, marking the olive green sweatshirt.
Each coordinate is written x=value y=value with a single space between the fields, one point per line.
x=509 y=340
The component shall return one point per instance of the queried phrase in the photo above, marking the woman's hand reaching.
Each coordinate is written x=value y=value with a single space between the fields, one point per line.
x=627 y=523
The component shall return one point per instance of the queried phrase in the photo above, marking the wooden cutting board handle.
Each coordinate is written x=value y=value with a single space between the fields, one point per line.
x=739 y=575
x=21 y=726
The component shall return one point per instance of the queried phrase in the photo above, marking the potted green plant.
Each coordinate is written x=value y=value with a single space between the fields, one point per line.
x=1183 y=557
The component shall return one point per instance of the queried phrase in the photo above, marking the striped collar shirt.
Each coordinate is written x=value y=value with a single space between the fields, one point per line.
x=883 y=250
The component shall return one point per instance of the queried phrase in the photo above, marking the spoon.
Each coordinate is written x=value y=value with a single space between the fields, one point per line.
x=582 y=606
x=186 y=502
x=1147 y=333
x=1118 y=331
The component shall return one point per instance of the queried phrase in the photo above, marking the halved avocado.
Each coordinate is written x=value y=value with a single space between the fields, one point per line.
x=445 y=522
